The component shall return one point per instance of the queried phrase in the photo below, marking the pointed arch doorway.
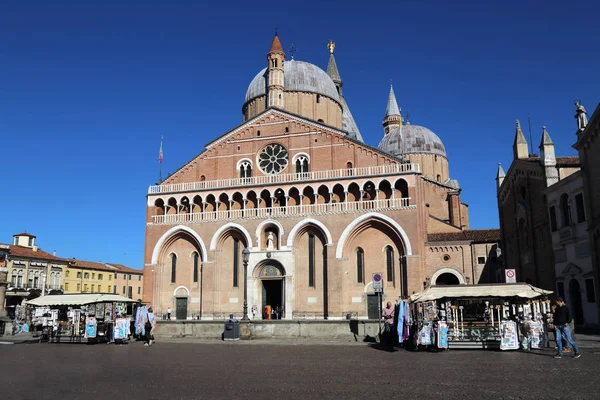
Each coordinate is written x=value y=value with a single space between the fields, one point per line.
x=271 y=275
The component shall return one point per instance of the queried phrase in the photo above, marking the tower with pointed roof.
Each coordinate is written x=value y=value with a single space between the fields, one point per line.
x=393 y=115
x=500 y=177
x=520 y=146
x=548 y=158
x=275 y=72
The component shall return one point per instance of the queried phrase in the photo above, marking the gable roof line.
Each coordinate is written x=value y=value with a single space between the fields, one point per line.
x=284 y=113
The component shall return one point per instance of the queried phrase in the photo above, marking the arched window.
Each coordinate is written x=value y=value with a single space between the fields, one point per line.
x=318 y=98
x=565 y=210
x=245 y=169
x=389 y=262
x=311 y=260
x=173 y=268
x=196 y=267
x=301 y=165
x=360 y=265
x=301 y=162
x=236 y=261
x=439 y=178
x=202 y=178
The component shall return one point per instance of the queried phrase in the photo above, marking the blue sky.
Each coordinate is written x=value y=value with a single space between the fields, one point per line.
x=88 y=88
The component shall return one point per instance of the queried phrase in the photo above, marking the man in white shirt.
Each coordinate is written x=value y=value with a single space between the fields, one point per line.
x=169 y=313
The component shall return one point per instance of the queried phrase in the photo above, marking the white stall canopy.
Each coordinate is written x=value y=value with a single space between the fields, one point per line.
x=78 y=299
x=522 y=290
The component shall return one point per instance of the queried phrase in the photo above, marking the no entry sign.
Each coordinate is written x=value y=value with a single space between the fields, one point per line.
x=377 y=282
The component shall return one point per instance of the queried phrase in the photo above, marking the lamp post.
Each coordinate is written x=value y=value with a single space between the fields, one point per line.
x=245 y=258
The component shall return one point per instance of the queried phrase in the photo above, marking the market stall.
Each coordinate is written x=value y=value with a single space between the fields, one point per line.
x=482 y=316
x=73 y=317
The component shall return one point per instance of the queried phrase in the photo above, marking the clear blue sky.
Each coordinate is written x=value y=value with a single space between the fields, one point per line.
x=88 y=88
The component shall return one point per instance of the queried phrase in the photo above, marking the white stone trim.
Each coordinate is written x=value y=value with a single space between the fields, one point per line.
x=298 y=155
x=461 y=279
x=243 y=160
x=260 y=227
x=364 y=217
x=170 y=232
x=181 y=287
x=213 y=242
x=306 y=221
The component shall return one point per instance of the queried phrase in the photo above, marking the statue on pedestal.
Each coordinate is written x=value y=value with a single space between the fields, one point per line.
x=580 y=116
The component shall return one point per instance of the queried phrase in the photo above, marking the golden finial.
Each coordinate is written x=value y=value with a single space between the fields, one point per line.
x=331 y=46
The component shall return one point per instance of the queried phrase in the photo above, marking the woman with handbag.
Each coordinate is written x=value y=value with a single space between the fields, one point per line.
x=149 y=326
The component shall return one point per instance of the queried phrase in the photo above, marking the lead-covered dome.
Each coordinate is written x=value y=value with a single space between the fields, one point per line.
x=299 y=76
x=412 y=139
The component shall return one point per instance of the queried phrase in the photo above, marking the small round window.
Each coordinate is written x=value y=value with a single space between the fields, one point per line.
x=273 y=159
x=446 y=257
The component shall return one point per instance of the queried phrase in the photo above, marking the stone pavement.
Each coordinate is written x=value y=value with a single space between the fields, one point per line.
x=264 y=370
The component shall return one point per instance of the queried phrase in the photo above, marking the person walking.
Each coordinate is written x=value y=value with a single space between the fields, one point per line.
x=149 y=327
x=562 y=317
x=169 y=313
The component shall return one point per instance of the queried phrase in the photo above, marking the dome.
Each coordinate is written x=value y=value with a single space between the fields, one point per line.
x=412 y=139
x=300 y=76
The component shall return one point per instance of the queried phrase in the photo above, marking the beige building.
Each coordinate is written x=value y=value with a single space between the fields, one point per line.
x=319 y=210
x=571 y=248
x=31 y=271
x=588 y=146
x=88 y=277
x=128 y=282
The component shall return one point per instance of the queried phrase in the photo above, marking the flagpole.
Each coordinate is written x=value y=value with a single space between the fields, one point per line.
x=160 y=158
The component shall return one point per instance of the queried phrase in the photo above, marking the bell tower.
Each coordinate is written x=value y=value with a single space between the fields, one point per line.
x=275 y=74
x=393 y=115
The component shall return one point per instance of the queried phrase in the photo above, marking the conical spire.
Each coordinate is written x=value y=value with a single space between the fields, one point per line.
x=519 y=137
x=332 y=69
x=276 y=45
x=500 y=177
x=501 y=174
x=392 y=106
x=546 y=140
x=520 y=146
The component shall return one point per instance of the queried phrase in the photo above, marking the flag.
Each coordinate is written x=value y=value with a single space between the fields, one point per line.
x=160 y=156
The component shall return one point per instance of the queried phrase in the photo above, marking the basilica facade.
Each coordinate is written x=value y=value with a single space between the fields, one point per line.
x=318 y=210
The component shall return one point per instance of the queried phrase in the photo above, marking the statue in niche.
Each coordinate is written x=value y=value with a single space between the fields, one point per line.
x=270 y=241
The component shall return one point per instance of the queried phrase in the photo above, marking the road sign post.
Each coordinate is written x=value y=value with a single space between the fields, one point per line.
x=378 y=288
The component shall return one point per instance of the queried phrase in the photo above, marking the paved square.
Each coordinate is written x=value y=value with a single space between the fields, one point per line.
x=269 y=371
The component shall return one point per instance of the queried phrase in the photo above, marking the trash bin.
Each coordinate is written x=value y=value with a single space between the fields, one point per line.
x=231 y=331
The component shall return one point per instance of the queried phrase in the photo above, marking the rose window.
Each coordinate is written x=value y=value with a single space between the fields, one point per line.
x=273 y=158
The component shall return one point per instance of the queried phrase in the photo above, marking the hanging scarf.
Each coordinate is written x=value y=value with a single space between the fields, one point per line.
x=401 y=322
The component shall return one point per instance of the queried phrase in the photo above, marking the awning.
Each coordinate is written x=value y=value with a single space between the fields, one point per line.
x=78 y=299
x=522 y=290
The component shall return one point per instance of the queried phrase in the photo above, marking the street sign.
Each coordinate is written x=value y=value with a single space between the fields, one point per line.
x=510 y=275
x=377 y=282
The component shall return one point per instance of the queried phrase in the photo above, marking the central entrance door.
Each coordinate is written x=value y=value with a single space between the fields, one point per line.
x=272 y=298
x=181 y=308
